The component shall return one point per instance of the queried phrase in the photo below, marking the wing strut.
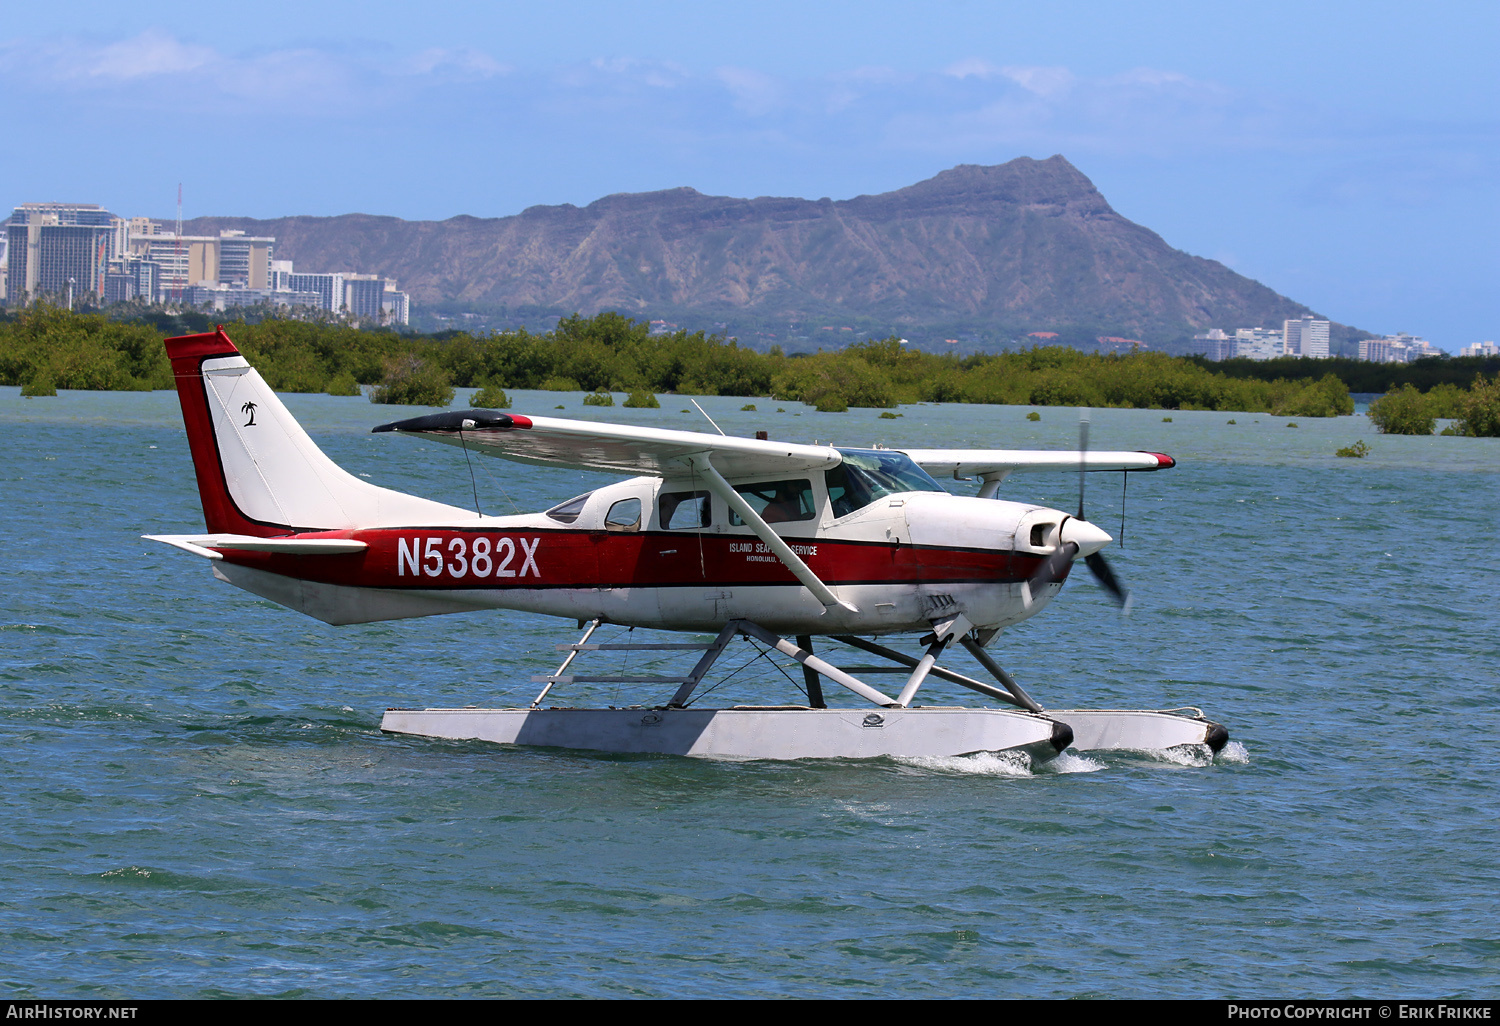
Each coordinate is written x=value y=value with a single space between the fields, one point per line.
x=991 y=482
x=774 y=542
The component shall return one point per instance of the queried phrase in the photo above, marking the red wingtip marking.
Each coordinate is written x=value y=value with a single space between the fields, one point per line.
x=1163 y=461
x=516 y=420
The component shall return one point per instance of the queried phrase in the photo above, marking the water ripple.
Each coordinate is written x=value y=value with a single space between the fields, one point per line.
x=199 y=802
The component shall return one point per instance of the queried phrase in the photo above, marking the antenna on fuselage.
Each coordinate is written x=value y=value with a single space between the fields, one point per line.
x=1083 y=455
x=469 y=460
x=706 y=416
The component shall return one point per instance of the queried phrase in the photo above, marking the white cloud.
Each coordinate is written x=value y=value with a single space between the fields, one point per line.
x=164 y=69
x=465 y=61
x=972 y=67
x=755 y=93
x=656 y=74
x=1154 y=77
x=151 y=53
x=972 y=110
x=1045 y=82
x=846 y=88
x=991 y=108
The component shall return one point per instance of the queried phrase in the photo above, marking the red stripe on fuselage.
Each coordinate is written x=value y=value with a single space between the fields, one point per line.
x=446 y=558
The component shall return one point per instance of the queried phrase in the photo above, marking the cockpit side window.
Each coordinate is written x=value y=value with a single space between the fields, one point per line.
x=867 y=474
x=624 y=515
x=680 y=510
x=569 y=511
x=777 y=501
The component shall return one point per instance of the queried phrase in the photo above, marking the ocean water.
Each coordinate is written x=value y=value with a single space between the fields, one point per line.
x=196 y=800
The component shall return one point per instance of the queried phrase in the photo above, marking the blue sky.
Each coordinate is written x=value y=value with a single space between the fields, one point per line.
x=1346 y=154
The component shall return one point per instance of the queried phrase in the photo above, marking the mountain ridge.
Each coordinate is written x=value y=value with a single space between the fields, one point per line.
x=1028 y=245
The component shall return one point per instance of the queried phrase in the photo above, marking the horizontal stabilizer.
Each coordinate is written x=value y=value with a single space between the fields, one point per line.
x=205 y=544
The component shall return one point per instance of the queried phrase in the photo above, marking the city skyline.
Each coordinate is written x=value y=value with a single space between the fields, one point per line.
x=1343 y=156
x=69 y=252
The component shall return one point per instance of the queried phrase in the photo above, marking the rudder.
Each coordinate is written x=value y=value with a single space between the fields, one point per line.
x=258 y=472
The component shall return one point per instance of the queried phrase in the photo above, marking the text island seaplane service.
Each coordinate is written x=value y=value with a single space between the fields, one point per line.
x=775 y=543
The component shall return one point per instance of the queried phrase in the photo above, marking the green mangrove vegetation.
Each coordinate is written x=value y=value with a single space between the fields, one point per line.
x=1362 y=375
x=490 y=397
x=44 y=348
x=1406 y=411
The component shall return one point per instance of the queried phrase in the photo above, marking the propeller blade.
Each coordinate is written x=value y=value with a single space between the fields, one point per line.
x=1051 y=571
x=1105 y=575
x=1102 y=571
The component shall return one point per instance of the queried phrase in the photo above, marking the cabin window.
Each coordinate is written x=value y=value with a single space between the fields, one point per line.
x=569 y=511
x=624 y=515
x=867 y=474
x=777 y=502
x=681 y=510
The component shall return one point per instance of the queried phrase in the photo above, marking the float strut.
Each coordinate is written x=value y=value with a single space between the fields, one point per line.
x=999 y=694
x=810 y=676
x=806 y=658
x=988 y=662
x=566 y=662
x=705 y=662
x=942 y=633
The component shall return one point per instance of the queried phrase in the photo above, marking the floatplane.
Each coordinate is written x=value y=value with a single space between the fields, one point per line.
x=773 y=543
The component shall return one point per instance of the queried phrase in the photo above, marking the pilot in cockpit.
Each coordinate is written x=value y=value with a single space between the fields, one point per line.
x=784 y=506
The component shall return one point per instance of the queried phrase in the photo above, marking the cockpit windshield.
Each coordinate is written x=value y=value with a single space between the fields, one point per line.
x=867 y=474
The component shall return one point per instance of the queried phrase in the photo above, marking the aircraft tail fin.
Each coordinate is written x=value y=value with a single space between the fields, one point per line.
x=258 y=472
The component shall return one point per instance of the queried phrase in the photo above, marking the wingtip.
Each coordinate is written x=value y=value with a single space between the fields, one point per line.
x=456 y=420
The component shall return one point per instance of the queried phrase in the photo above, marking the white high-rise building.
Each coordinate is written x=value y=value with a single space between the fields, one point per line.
x=1259 y=343
x=395 y=306
x=1397 y=348
x=1214 y=344
x=329 y=287
x=60 y=250
x=1480 y=349
x=1306 y=337
x=229 y=258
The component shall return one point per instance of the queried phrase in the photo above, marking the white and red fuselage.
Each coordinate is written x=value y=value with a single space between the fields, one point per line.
x=286 y=523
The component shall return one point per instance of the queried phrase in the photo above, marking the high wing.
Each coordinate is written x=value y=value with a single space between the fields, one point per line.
x=621 y=448
x=658 y=452
x=999 y=463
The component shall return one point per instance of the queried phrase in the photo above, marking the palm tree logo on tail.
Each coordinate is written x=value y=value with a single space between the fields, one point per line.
x=250 y=409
